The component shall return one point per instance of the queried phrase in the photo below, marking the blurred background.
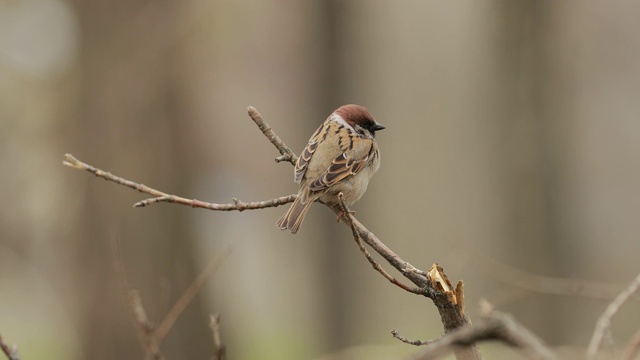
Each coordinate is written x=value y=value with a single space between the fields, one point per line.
x=512 y=144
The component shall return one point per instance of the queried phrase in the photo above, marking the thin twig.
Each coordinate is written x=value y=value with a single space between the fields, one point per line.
x=396 y=335
x=146 y=329
x=237 y=205
x=451 y=314
x=10 y=351
x=159 y=196
x=602 y=326
x=219 y=350
x=347 y=216
x=405 y=268
x=140 y=317
x=212 y=266
x=497 y=326
x=285 y=151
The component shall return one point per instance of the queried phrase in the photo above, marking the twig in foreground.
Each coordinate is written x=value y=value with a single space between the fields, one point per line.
x=10 y=351
x=497 y=326
x=219 y=350
x=159 y=196
x=602 y=326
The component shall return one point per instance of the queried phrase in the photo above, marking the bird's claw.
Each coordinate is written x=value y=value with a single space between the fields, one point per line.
x=341 y=215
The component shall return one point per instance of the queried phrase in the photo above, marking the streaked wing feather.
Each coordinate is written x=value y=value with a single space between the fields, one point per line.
x=303 y=161
x=342 y=167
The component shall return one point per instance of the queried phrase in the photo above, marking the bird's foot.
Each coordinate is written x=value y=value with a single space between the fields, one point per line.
x=341 y=215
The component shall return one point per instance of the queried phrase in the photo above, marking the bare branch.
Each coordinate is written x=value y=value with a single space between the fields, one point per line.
x=212 y=266
x=150 y=336
x=285 y=151
x=237 y=205
x=346 y=216
x=146 y=330
x=451 y=312
x=405 y=268
x=497 y=326
x=396 y=335
x=71 y=161
x=159 y=196
x=219 y=350
x=10 y=351
x=602 y=326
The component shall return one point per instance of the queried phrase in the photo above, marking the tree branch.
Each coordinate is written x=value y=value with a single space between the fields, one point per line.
x=497 y=326
x=219 y=350
x=151 y=336
x=146 y=330
x=285 y=151
x=10 y=351
x=396 y=335
x=602 y=326
x=237 y=205
x=159 y=196
x=346 y=216
x=433 y=284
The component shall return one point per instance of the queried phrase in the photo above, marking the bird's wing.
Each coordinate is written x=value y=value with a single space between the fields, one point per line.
x=355 y=155
x=303 y=161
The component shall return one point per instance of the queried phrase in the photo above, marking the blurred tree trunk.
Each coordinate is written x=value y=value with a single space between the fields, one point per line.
x=331 y=89
x=527 y=110
x=130 y=124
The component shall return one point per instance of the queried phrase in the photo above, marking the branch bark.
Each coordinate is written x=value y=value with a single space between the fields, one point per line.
x=497 y=326
x=602 y=326
x=219 y=350
x=160 y=196
x=146 y=330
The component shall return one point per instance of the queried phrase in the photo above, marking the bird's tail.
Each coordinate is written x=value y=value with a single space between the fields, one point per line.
x=293 y=218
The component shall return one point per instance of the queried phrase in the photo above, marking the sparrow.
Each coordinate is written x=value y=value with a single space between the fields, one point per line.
x=341 y=157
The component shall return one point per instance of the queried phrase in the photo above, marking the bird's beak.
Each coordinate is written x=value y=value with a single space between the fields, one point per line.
x=377 y=126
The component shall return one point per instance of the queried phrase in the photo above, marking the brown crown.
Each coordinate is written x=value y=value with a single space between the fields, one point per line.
x=355 y=114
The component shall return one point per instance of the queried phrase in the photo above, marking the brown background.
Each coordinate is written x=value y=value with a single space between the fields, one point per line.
x=512 y=138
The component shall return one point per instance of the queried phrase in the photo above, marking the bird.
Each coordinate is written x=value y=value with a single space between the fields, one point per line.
x=340 y=157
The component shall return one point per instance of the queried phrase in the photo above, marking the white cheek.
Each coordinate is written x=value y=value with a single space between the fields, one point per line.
x=337 y=118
